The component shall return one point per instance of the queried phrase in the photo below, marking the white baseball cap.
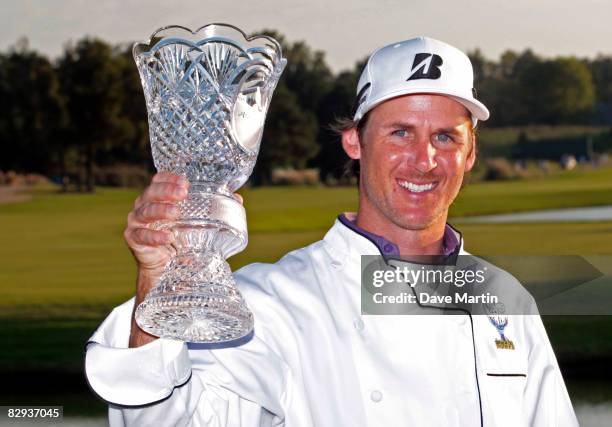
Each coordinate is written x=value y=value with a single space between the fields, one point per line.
x=419 y=65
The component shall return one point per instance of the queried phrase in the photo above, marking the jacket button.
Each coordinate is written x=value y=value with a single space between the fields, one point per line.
x=336 y=264
x=376 y=396
x=358 y=324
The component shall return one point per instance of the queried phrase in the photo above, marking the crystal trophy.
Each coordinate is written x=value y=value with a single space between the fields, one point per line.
x=207 y=94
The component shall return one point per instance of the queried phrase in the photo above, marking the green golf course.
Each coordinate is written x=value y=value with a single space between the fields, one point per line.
x=63 y=263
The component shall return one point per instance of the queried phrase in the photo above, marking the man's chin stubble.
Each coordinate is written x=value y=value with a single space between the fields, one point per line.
x=413 y=226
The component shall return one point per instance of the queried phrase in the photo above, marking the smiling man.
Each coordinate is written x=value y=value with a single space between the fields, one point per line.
x=314 y=359
x=413 y=151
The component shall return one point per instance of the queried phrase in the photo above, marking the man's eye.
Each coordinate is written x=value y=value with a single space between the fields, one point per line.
x=442 y=137
x=399 y=132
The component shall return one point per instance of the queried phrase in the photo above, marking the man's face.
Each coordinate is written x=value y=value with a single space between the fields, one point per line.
x=413 y=154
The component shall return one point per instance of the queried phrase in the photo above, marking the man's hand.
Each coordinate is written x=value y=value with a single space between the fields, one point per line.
x=151 y=248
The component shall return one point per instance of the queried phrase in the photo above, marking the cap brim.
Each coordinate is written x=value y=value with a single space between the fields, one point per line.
x=476 y=108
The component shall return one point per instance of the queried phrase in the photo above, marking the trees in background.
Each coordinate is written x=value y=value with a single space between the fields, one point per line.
x=87 y=109
x=89 y=74
x=601 y=70
x=290 y=135
x=131 y=134
x=337 y=103
x=557 y=91
x=524 y=89
x=32 y=111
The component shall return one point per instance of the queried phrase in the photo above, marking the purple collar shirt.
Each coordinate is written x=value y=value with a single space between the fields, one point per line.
x=450 y=243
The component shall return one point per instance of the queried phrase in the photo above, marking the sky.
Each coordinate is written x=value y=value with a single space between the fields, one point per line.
x=346 y=30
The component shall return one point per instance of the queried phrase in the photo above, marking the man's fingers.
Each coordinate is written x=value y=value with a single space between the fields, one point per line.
x=148 y=237
x=164 y=192
x=171 y=178
x=155 y=211
x=164 y=187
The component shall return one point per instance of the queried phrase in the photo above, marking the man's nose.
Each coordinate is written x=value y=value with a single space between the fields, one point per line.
x=424 y=156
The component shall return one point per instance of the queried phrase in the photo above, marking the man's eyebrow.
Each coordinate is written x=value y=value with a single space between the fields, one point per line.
x=403 y=125
x=453 y=130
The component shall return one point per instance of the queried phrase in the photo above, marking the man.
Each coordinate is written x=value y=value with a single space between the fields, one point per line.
x=314 y=360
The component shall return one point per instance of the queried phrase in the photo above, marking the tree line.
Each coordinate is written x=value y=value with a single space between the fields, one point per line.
x=86 y=109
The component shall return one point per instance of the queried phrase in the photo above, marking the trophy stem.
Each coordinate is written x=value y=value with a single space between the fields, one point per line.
x=211 y=219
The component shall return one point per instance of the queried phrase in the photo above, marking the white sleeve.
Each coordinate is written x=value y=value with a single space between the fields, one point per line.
x=547 y=402
x=165 y=383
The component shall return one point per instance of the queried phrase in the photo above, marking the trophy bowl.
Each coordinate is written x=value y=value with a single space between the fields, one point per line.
x=207 y=93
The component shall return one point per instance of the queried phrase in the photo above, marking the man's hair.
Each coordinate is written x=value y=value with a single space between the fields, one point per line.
x=343 y=124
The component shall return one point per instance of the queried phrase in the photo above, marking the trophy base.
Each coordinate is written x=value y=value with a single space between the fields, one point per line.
x=197 y=317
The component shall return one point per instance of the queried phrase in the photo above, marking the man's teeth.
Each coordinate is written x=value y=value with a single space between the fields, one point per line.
x=416 y=188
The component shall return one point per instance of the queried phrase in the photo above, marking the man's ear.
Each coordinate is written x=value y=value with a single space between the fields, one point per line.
x=350 y=143
x=471 y=157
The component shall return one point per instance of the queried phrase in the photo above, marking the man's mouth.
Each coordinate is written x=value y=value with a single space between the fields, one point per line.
x=417 y=188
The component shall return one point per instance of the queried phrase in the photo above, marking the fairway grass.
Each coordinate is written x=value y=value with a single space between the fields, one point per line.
x=565 y=189
x=68 y=249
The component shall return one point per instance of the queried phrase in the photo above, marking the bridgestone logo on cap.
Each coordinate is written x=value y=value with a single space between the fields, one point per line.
x=426 y=66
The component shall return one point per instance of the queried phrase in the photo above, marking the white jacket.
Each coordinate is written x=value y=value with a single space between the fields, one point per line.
x=315 y=361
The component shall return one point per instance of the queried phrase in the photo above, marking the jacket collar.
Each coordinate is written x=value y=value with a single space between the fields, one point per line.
x=451 y=240
x=347 y=245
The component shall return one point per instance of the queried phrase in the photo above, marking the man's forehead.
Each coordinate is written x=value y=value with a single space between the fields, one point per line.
x=416 y=107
